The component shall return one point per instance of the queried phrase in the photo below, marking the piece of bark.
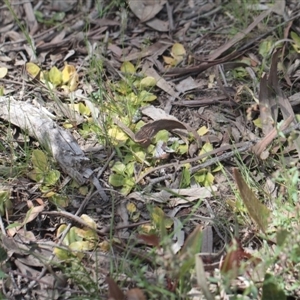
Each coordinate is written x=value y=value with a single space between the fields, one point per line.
x=58 y=141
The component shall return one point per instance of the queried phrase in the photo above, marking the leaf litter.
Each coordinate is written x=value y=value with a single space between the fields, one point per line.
x=73 y=212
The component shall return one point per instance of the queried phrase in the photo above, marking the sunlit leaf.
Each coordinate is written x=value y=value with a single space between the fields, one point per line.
x=3 y=72
x=202 y=130
x=32 y=213
x=89 y=221
x=178 y=50
x=146 y=96
x=131 y=207
x=257 y=123
x=128 y=67
x=147 y=82
x=51 y=177
x=117 y=134
x=62 y=254
x=82 y=246
x=129 y=183
x=207 y=147
x=80 y=108
x=209 y=179
x=32 y=69
x=67 y=73
x=257 y=211
x=73 y=83
x=169 y=60
x=55 y=76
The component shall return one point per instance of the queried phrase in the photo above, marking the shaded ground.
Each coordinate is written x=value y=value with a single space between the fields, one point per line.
x=171 y=134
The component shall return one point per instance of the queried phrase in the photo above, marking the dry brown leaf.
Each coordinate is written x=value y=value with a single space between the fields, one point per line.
x=265 y=99
x=145 y=10
x=114 y=292
x=135 y=294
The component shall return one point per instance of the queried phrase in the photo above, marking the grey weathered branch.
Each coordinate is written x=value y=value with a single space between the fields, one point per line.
x=60 y=143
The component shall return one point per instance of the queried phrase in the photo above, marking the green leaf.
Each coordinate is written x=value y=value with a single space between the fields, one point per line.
x=4 y=200
x=265 y=47
x=51 y=178
x=129 y=183
x=119 y=168
x=296 y=40
x=207 y=147
x=59 y=200
x=186 y=177
x=39 y=160
x=116 y=180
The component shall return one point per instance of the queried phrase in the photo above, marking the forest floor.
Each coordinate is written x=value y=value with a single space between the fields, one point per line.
x=149 y=149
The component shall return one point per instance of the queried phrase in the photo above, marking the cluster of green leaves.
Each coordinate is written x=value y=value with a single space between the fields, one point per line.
x=77 y=240
x=43 y=173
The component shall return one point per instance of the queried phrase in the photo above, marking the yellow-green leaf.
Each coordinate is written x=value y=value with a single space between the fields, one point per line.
x=131 y=207
x=207 y=147
x=40 y=165
x=3 y=72
x=128 y=67
x=178 y=50
x=148 y=82
x=146 y=96
x=117 y=135
x=202 y=130
x=116 y=180
x=55 y=76
x=32 y=69
x=257 y=123
x=89 y=221
x=169 y=60
x=82 y=246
